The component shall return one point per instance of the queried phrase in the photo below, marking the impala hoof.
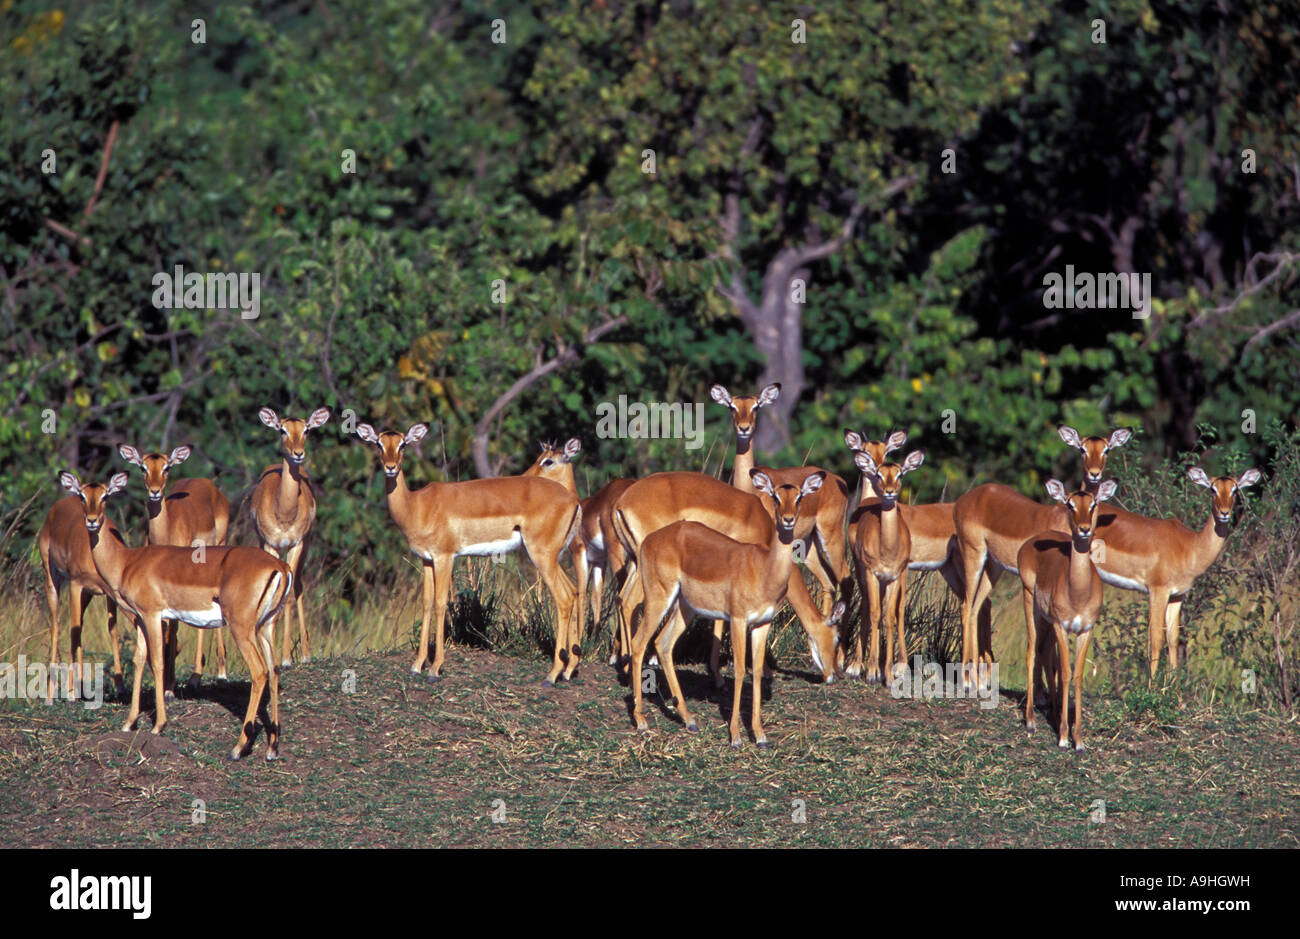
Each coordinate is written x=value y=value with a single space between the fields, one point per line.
x=416 y=671
x=547 y=683
x=613 y=660
x=853 y=671
x=222 y=679
x=235 y=754
x=693 y=728
x=286 y=665
x=735 y=744
x=762 y=744
x=169 y=696
x=272 y=755
x=1063 y=744
x=433 y=679
x=829 y=679
x=1079 y=748
x=306 y=660
x=1031 y=727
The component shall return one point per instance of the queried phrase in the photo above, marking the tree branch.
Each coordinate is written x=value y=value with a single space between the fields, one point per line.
x=103 y=169
x=566 y=355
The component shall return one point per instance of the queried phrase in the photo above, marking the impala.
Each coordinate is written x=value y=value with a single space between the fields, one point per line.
x=690 y=567
x=590 y=557
x=992 y=522
x=1062 y=592
x=930 y=525
x=284 y=508
x=66 y=562
x=243 y=587
x=882 y=550
x=193 y=514
x=661 y=499
x=444 y=521
x=821 y=521
x=1163 y=557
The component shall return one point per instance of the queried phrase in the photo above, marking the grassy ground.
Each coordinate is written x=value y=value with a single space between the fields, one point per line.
x=403 y=763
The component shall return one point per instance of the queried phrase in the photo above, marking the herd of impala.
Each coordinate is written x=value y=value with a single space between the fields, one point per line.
x=676 y=544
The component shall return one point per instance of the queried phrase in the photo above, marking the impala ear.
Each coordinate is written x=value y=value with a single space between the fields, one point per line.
x=130 y=454
x=318 y=417
x=1105 y=491
x=852 y=439
x=914 y=459
x=813 y=483
x=179 y=455
x=896 y=440
x=116 y=484
x=69 y=482
x=269 y=418
x=367 y=433
x=416 y=433
x=837 y=613
x=865 y=463
x=720 y=395
x=1118 y=438
x=572 y=448
x=1056 y=490
x=762 y=482
x=1197 y=475
x=1248 y=478
x=1070 y=436
x=769 y=394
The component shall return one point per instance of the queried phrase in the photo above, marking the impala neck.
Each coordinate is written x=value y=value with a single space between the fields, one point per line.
x=743 y=463
x=110 y=554
x=157 y=520
x=1078 y=577
x=286 y=500
x=780 y=556
x=889 y=529
x=399 y=497
x=1209 y=542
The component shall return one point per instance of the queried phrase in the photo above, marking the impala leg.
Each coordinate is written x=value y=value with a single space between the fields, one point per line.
x=52 y=599
x=872 y=658
x=836 y=561
x=759 y=639
x=422 y=650
x=1158 y=600
x=629 y=598
x=196 y=676
x=597 y=574
x=265 y=646
x=137 y=677
x=154 y=641
x=110 y=609
x=668 y=637
x=248 y=648
x=442 y=571
x=1080 y=659
x=898 y=612
x=738 y=672
x=293 y=557
x=561 y=589
x=854 y=668
x=656 y=602
x=220 y=637
x=972 y=572
x=1031 y=650
x=715 y=654
x=983 y=588
x=1173 y=621
x=1063 y=673
x=80 y=600
x=170 y=642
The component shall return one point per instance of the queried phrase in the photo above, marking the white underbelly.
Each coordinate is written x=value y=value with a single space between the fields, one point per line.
x=597 y=543
x=199 y=619
x=926 y=565
x=762 y=616
x=487 y=548
x=1124 y=583
x=1076 y=626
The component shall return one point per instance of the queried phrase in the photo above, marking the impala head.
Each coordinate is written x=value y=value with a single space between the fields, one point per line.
x=155 y=467
x=93 y=496
x=744 y=408
x=553 y=458
x=1094 y=450
x=1081 y=507
x=391 y=444
x=878 y=449
x=1225 y=490
x=293 y=432
x=887 y=480
x=787 y=499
